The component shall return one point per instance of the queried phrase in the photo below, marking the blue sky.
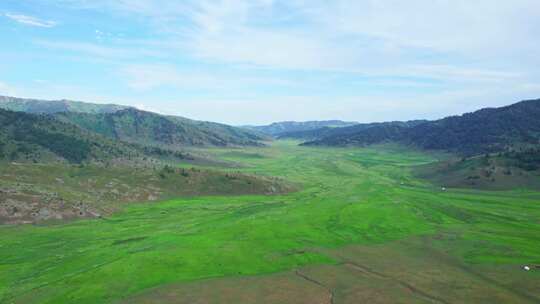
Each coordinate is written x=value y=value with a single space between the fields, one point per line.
x=259 y=61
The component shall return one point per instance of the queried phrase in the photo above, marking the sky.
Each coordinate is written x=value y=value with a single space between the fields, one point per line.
x=259 y=61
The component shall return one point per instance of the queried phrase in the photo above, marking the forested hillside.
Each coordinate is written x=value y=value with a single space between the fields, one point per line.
x=485 y=131
x=136 y=126
x=131 y=125
x=342 y=131
x=43 y=138
x=40 y=137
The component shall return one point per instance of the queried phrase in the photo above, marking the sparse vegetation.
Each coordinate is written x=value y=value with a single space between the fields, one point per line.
x=503 y=171
x=33 y=193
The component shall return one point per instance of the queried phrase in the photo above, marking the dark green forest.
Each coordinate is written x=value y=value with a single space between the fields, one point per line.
x=485 y=131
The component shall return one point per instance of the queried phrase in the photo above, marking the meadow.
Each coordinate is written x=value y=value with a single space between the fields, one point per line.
x=361 y=227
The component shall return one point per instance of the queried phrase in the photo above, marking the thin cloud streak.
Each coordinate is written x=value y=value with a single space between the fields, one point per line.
x=32 y=21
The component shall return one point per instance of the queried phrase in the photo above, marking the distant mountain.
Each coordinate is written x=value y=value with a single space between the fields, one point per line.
x=37 y=106
x=342 y=131
x=277 y=128
x=484 y=131
x=146 y=128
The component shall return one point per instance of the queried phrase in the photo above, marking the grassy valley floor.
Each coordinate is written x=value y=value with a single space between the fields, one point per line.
x=362 y=229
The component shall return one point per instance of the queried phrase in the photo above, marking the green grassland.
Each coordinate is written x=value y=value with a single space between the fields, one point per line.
x=360 y=209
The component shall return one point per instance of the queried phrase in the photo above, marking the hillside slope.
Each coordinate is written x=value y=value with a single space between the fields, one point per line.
x=484 y=131
x=501 y=171
x=41 y=137
x=136 y=126
x=342 y=131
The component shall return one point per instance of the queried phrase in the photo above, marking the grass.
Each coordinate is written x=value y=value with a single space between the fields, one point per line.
x=350 y=197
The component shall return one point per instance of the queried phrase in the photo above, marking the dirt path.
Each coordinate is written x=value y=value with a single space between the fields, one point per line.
x=305 y=277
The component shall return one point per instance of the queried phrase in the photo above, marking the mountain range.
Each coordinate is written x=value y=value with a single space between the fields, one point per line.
x=38 y=106
x=324 y=132
x=484 y=131
x=75 y=132
x=136 y=126
x=278 y=128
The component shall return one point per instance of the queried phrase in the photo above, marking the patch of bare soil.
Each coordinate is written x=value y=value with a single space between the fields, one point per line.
x=398 y=272
x=36 y=193
x=23 y=206
x=270 y=289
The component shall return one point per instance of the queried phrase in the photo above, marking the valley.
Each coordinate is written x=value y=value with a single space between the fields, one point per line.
x=360 y=225
x=269 y=152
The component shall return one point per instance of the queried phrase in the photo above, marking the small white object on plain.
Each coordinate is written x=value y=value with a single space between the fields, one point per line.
x=527 y=268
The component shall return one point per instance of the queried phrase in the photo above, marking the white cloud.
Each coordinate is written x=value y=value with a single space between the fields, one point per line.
x=458 y=25
x=355 y=34
x=32 y=21
x=224 y=31
x=344 y=34
x=415 y=58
